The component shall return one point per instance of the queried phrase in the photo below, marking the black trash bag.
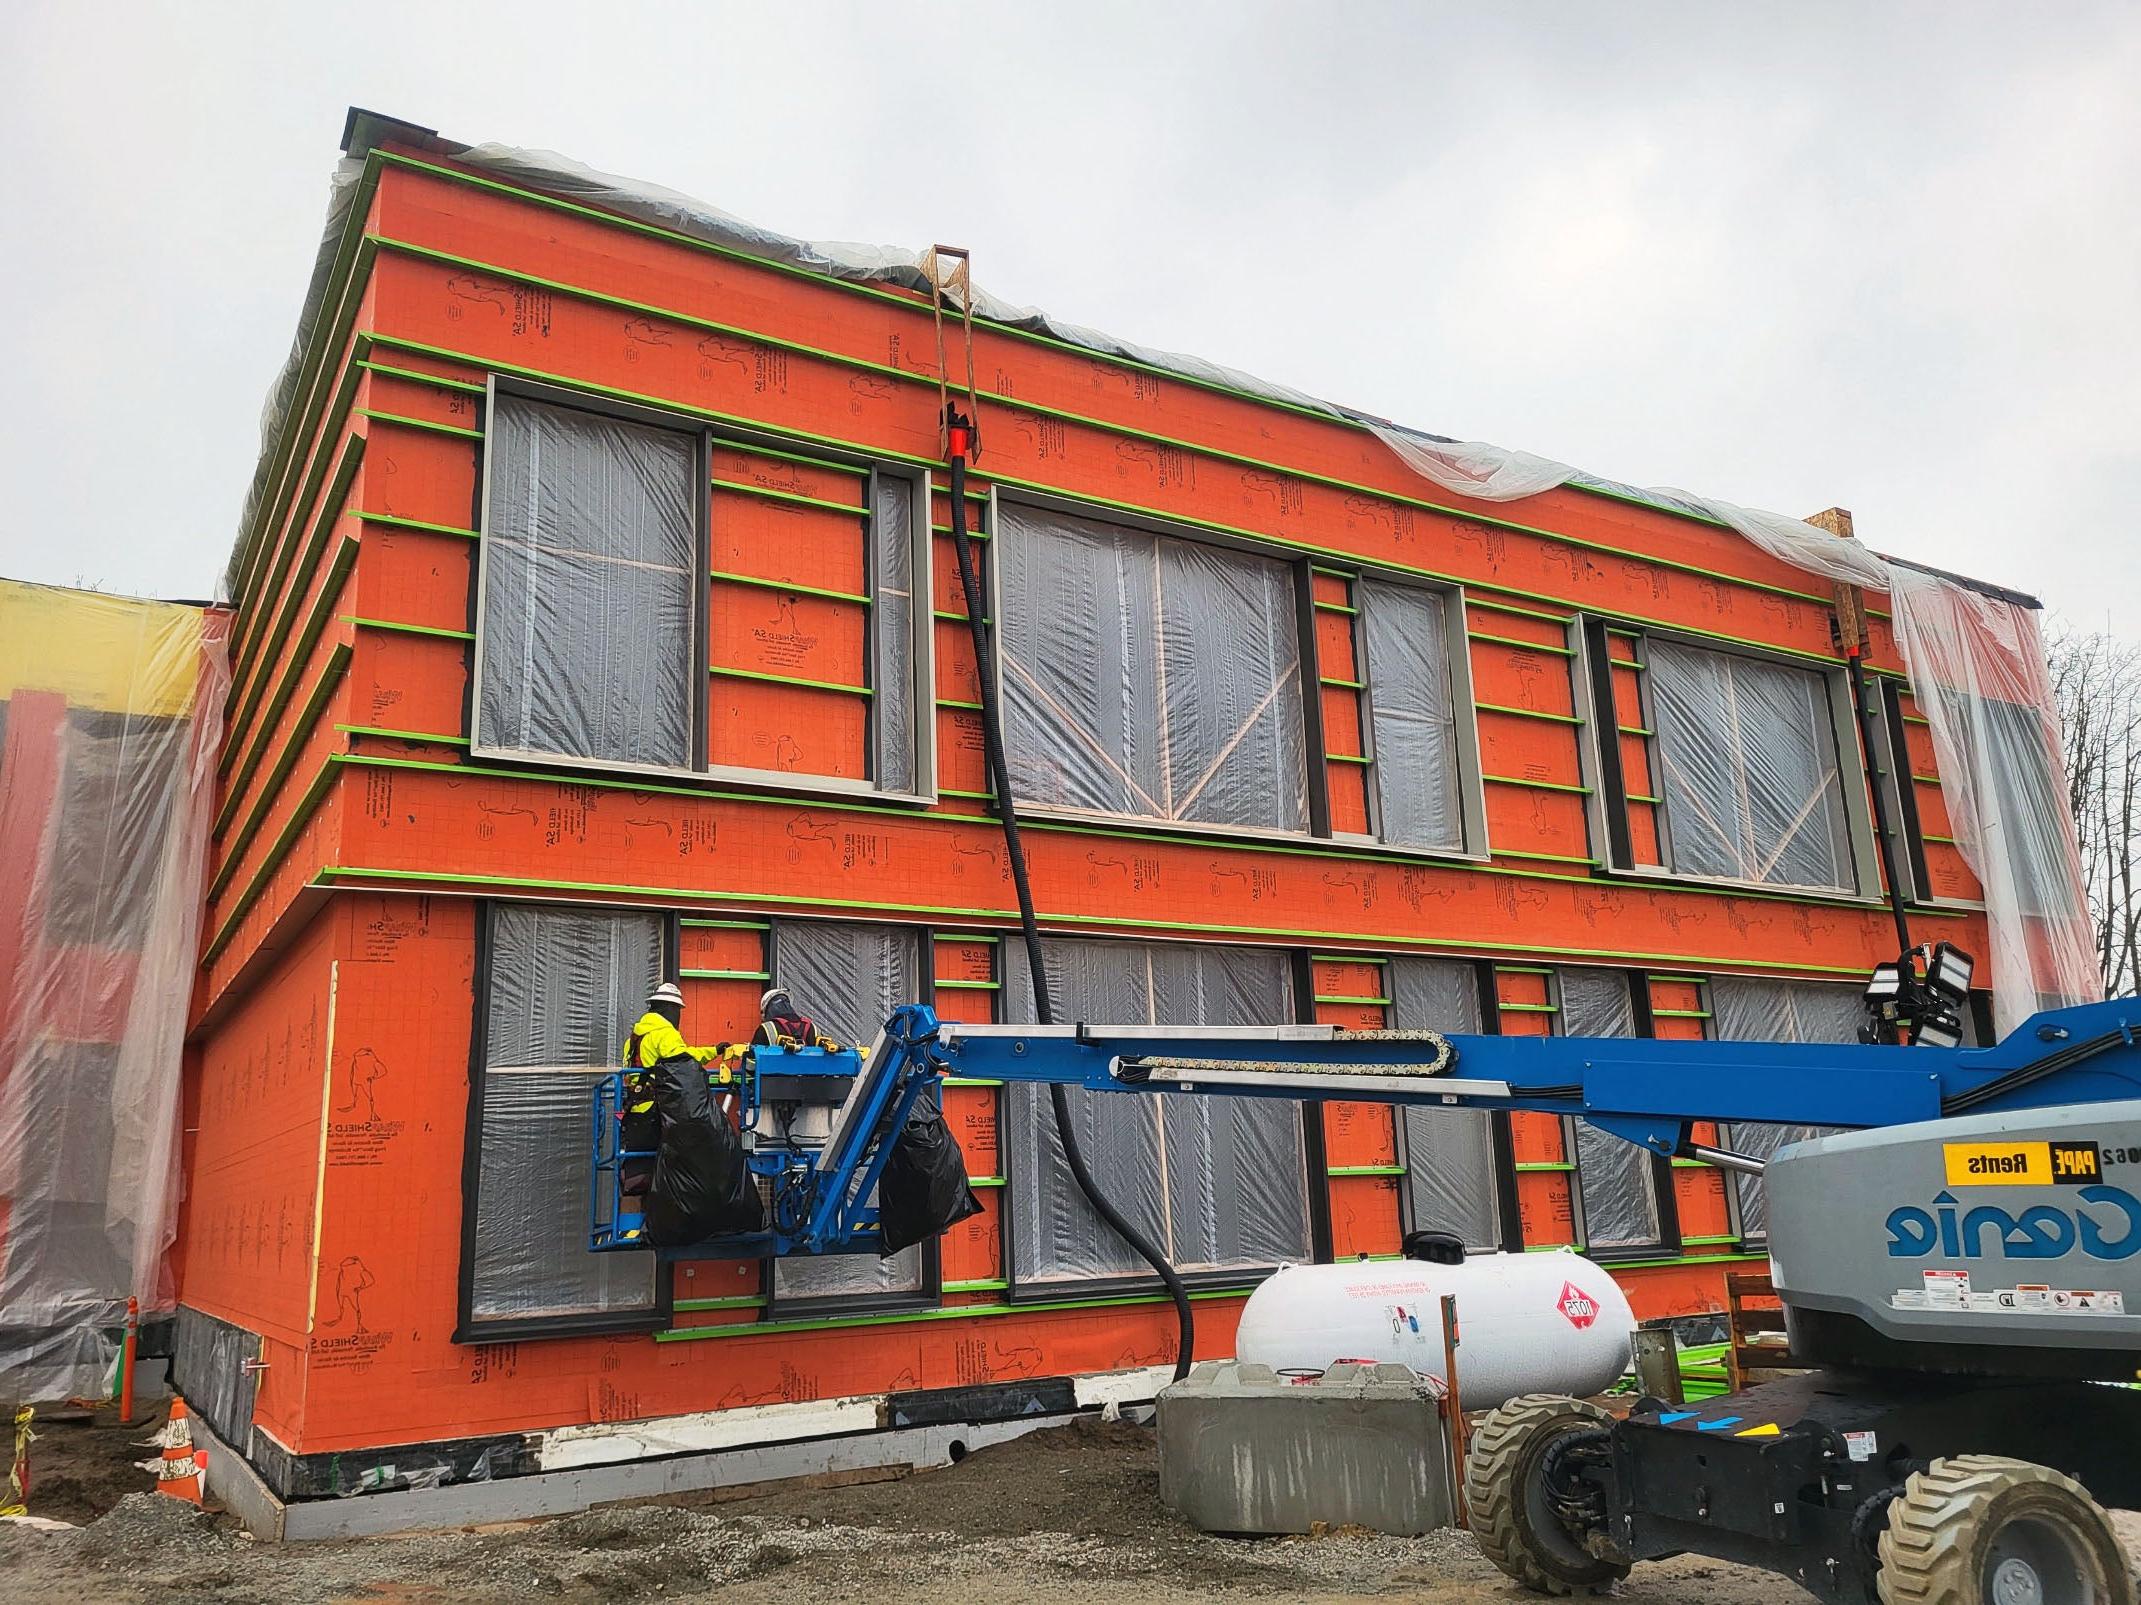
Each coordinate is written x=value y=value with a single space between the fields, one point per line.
x=923 y=1190
x=702 y=1187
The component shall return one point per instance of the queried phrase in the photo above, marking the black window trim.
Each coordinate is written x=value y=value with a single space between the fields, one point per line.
x=701 y=769
x=1605 y=774
x=468 y=1326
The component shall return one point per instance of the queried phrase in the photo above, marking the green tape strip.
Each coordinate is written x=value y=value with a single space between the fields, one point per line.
x=1347 y=997
x=1346 y=958
x=741 y=1301
x=986 y=1284
x=1365 y=1170
x=1520 y=643
x=406 y=422
x=398 y=628
x=793 y=498
x=789 y=679
x=1545 y=1164
x=1536 y=785
x=1528 y=713
x=727 y=925
x=760 y=582
x=422 y=526
x=967 y=986
x=687 y=895
x=725 y=975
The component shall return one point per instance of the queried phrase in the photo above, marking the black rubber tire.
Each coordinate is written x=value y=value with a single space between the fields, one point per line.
x=1501 y=1475
x=1939 y=1547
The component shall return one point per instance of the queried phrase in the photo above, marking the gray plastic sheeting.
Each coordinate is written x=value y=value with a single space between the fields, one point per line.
x=1148 y=676
x=1747 y=764
x=593 y=521
x=848 y=978
x=1412 y=714
x=1614 y=1184
x=1218 y=1183
x=1448 y=1153
x=1744 y=1009
x=565 y=986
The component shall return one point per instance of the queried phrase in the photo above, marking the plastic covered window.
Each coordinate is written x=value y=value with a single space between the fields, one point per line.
x=591 y=588
x=1412 y=714
x=1450 y=1164
x=893 y=732
x=565 y=986
x=848 y=978
x=1615 y=1182
x=1220 y=1183
x=1149 y=676
x=1744 y=1009
x=1747 y=767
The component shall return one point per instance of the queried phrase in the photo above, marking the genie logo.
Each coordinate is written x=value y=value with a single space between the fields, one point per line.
x=2113 y=1231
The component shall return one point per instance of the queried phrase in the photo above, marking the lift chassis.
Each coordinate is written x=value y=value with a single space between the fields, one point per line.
x=1965 y=1266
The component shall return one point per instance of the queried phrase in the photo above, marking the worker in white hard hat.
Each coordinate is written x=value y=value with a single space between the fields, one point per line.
x=656 y=1037
x=782 y=1025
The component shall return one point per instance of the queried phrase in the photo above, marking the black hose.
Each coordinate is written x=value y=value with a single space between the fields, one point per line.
x=992 y=741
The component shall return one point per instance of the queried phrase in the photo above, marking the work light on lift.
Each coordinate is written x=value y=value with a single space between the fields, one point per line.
x=1919 y=997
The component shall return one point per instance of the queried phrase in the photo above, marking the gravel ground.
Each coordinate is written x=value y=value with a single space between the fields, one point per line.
x=1069 y=1514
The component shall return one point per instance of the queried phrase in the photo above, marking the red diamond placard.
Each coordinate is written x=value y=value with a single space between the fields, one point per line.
x=1580 y=1307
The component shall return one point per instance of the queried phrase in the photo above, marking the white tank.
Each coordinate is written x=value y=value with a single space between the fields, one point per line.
x=1529 y=1323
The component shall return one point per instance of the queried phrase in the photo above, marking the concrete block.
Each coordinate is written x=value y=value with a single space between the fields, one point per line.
x=1245 y=1450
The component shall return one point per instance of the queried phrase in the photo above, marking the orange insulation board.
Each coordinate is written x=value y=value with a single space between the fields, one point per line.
x=330 y=1060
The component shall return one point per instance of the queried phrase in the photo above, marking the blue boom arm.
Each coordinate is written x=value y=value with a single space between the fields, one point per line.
x=1647 y=1091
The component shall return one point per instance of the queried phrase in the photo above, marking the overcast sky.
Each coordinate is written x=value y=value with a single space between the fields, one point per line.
x=1887 y=257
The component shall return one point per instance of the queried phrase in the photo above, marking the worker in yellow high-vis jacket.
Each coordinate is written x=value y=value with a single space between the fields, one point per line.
x=657 y=1036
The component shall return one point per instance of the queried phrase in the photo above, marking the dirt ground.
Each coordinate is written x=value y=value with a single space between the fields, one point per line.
x=1068 y=1514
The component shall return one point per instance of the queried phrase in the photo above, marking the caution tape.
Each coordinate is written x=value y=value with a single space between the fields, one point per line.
x=18 y=1474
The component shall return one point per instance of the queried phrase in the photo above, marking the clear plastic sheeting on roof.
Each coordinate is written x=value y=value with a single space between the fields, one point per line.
x=110 y=712
x=1977 y=666
x=1978 y=676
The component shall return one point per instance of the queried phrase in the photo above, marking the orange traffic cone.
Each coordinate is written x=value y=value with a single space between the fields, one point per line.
x=179 y=1471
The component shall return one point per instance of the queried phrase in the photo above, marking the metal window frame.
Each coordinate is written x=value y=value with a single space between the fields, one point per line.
x=1658 y=1173
x=1472 y=795
x=1508 y=1224
x=923 y=646
x=1602 y=766
x=1473 y=846
x=601 y=406
x=469 y=1327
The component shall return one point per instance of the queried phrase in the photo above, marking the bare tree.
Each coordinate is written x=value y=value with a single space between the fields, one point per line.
x=2096 y=680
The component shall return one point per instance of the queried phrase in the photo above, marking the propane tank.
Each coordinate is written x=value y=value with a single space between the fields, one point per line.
x=1529 y=1323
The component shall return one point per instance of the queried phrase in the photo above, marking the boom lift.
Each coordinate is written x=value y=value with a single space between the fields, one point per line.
x=1966 y=1264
